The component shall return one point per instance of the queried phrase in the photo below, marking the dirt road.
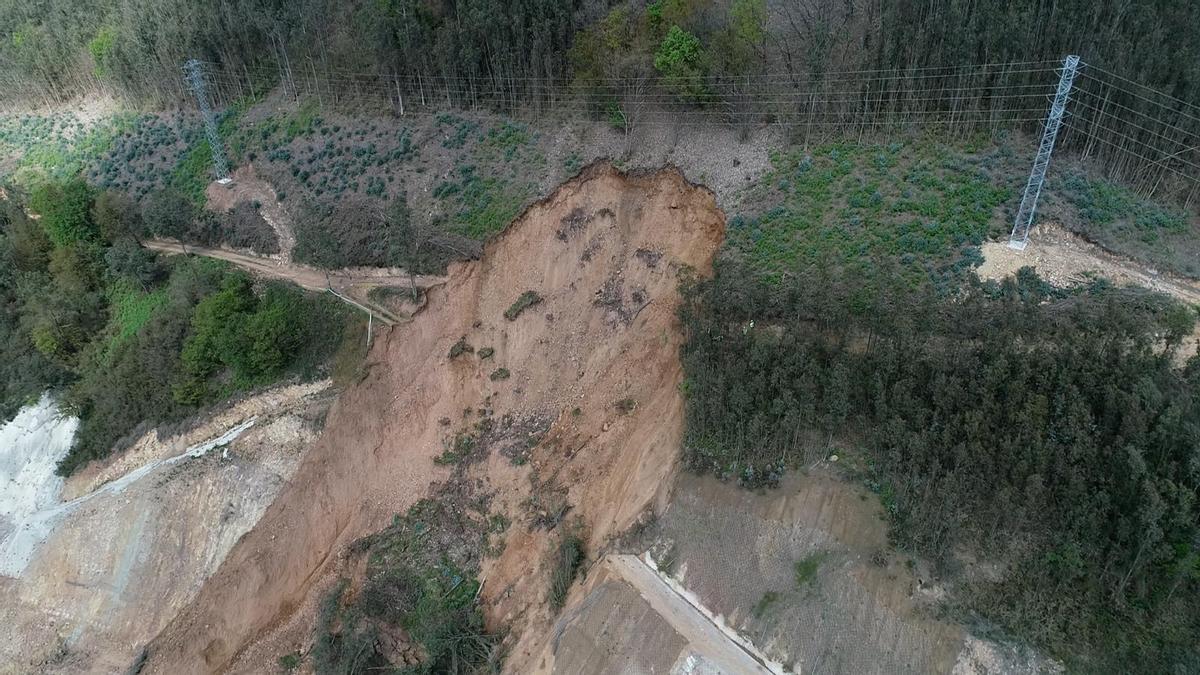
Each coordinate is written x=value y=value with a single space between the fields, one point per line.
x=704 y=636
x=352 y=282
x=1064 y=258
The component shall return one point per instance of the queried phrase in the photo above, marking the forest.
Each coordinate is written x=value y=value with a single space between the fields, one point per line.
x=133 y=340
x=1053 y=431
x=56 y=48
x=851 y=64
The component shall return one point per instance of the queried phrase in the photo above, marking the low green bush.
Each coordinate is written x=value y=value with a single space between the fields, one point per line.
x=569 y=556
x=523 y=302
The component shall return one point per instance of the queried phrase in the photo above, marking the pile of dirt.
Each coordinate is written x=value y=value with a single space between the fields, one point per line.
x=606 y=373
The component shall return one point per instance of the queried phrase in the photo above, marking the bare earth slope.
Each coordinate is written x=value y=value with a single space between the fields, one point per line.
x=605 y=253
x=137 y=534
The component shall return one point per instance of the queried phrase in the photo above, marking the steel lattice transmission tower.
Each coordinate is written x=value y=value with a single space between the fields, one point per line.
x=194 y=72
x=1033 y=189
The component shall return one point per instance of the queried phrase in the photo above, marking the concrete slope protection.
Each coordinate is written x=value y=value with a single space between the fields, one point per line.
x=597 y=354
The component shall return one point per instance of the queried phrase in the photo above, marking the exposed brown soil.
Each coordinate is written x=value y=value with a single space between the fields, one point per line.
x=606 y=331
x=1063 y=258
x=247 y=187
x=863 y=608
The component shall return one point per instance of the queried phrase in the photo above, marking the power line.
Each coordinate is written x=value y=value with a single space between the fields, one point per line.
x=1135 y=111
x=1139 y=96
x=857 y=96
x=1102 y=112
x=1145 y=145
x=862 y=98
x=898 y=73
x=1122 y=148
x=432 y=80
x=1147 y=88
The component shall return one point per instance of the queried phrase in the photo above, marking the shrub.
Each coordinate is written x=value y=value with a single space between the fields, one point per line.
x=568 y=558
x=245 y=227
x=765 y=603
x=499 y=374
x=523 y=302
x=168 y=213
x=461 y=347
x=290 y=662
x=419 y=578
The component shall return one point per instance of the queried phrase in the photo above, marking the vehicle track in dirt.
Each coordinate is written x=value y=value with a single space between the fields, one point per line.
x=354 y=282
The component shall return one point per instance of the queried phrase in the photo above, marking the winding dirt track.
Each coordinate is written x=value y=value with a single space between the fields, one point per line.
x=353 y=282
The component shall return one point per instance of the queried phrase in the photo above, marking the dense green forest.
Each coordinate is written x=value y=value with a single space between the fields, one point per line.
x=132 y=339
x=59 y=48
x=822 y=67
x=1050 y=430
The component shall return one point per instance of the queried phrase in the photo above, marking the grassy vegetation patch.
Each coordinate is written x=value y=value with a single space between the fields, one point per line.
x=194 y=172
x=456 y=130
x=846 y=206
x=484 y=202
x=419 y=594
x=144 y=155
x=327 y=160
x=195 y=169
x=523 y=302
x=129 y=309
x=764 y=604
x=56 y=146
x=807 y=567
x=568 y=557
x=1126 y=223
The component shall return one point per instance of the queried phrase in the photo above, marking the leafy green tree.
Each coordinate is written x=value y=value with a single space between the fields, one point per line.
x=126 y=259
x=270 y=337
x=65 y=210
x=742 y=44
x=168 y=213
x=117 y=216
x=101 y=49
x=682 y=62
x=214 y=334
